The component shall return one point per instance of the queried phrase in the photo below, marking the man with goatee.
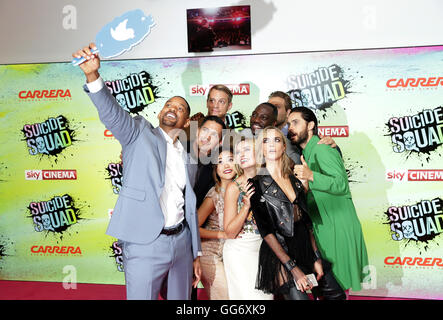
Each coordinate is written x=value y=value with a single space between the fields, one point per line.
x=336 y=225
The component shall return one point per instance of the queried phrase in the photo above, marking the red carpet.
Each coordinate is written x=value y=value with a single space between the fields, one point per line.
x=27 y=290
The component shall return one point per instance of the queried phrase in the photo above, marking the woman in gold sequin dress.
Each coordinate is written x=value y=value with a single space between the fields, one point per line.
x=210 y=218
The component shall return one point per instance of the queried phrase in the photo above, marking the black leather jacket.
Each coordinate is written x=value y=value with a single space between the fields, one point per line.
x=273 y=212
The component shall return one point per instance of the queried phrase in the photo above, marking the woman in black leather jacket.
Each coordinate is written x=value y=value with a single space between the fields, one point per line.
x=289 y=251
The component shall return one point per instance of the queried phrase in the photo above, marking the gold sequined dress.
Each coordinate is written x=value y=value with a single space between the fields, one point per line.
x=211 y=261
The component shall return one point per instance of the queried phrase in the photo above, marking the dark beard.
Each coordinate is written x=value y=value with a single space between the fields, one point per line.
x=301 y=139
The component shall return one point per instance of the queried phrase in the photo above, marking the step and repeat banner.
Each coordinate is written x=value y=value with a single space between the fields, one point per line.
x=60 y=170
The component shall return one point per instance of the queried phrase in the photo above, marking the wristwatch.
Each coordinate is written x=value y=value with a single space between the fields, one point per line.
x=290 y=264
x=317 y=255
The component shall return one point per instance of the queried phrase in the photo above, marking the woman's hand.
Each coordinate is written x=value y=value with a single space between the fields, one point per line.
x=248 y=191
x=302 y=281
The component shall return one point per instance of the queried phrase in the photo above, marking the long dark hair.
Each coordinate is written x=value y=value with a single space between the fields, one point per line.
x=308 y=115
x=215 y=175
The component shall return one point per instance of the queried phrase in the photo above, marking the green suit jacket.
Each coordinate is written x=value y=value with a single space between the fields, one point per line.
x=336 y=226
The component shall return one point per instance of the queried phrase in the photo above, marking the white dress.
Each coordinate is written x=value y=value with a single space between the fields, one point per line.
x=240 y=257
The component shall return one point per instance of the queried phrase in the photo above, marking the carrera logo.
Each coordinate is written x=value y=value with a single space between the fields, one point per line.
x=56 y=250
x=236 y=89
x=51 y=174
x=415 y=82
x=108 y=134
x=413 y=261
x=334 y=131
x=415 y=175
x=44 y=94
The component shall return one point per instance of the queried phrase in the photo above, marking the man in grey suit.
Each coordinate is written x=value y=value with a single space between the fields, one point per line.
x=155 y=216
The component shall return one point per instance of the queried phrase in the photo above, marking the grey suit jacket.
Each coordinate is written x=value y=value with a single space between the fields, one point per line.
x=137 y=216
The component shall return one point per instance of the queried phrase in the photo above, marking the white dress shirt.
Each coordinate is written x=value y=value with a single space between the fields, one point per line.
x=172 y=197
x=95 y=86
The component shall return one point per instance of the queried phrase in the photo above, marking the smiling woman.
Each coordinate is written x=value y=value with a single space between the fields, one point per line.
x=210 y=219
x=289 y=253
x=241 y=249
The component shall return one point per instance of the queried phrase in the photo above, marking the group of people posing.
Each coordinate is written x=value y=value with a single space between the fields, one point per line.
x=261 y=213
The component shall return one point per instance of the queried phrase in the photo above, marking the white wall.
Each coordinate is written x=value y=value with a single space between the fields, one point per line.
x=35 y=30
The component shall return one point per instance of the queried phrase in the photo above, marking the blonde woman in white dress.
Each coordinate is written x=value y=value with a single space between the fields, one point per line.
x=241 y=249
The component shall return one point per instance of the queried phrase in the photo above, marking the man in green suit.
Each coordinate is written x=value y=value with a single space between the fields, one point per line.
x=336 y=226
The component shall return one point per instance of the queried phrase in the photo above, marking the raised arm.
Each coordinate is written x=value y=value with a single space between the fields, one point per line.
x=233 y=222
x=111 y=114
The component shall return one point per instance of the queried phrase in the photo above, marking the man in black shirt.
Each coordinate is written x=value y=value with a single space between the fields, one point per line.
x=209 y=138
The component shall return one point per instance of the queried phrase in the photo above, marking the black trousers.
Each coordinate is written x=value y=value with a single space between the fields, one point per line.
x=328 y=288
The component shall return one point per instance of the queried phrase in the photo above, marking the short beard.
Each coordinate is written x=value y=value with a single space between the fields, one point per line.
x=301 y=138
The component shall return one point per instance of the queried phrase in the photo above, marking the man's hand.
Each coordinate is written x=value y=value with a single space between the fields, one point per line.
x=91 y=65
x=197 y=272
x=302 y=171
x=328 y=141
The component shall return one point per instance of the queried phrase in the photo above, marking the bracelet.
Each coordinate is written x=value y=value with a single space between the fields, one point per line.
x=290 y=264
x=317 y=255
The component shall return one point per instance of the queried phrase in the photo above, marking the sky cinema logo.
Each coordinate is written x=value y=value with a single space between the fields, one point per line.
x=236 y=89
x=50 y=174
x=414 y=175
x=333 y=131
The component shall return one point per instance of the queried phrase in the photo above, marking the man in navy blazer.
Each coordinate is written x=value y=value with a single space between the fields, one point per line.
x=155 y=216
